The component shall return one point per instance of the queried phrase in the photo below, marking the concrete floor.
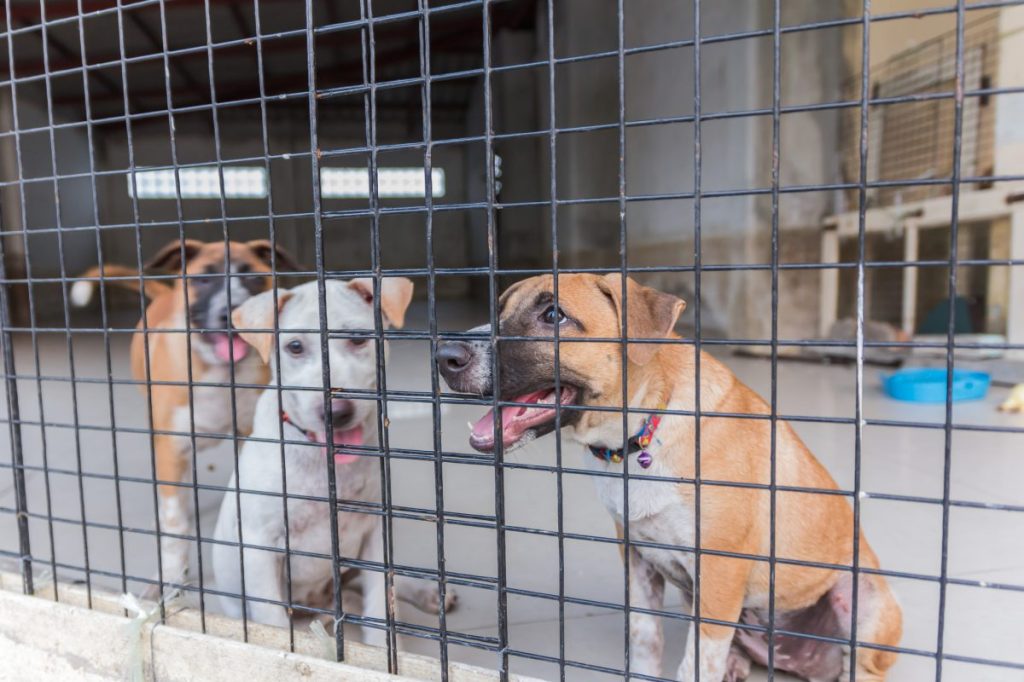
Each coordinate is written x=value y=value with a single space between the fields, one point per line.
x=986 y=545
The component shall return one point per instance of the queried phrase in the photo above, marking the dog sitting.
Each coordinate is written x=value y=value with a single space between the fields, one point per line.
x=733 y=518
x=215 y=356
x=300 y=413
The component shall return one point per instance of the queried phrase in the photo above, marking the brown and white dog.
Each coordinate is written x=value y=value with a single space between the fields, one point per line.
x=216 y=357
x=733 y=519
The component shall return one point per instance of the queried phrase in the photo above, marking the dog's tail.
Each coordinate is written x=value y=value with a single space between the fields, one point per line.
x=83 y=291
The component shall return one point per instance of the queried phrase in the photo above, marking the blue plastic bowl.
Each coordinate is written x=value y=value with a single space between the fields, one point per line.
x=929 y=385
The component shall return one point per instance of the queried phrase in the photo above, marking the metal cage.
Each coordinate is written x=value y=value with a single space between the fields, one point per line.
x=90 y=87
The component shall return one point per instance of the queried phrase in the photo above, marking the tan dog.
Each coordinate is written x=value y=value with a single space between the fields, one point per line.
x=809 y=527
x=216 y=357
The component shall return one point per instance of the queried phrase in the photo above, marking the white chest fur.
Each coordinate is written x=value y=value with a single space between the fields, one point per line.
x=660 y=512
x=647 y=498
x=212 y=405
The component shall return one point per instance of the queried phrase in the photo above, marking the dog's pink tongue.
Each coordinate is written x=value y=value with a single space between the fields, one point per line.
x=346 y=437
x=512 y=429
x=483 y=429
x=515 y=421
x=223 y=347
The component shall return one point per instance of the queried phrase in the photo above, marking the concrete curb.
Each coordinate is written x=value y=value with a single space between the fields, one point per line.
x=42 y=639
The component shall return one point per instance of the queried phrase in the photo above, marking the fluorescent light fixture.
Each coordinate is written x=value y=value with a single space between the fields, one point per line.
x=392 y=183
x=240 y=182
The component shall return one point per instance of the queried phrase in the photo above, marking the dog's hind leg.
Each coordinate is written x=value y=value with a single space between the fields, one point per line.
x=174 y=510
x=375 y=591
x=723 y=582
x=264 y=580
x=737 y=668
x=879 y=621
x=646 y=591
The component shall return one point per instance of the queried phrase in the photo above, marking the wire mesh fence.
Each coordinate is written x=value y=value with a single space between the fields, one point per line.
x=482 y=186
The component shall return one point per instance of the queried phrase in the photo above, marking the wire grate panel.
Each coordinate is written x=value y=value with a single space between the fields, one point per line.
x=205 y=153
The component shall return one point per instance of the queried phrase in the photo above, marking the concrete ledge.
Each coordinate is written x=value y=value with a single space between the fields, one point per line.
x=42 y=639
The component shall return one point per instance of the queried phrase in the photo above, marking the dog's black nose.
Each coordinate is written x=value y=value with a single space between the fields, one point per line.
x=342 y=411
x=454 y=356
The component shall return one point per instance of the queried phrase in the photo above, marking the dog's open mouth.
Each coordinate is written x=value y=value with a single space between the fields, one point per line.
x=519 y=420
x=225 y=347
x=343 y=438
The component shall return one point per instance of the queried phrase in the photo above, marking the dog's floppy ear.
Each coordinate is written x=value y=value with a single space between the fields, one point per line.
x=169 y=257
x=395 y=295
x=650 y=314
x=262 y=249
x=258 y=313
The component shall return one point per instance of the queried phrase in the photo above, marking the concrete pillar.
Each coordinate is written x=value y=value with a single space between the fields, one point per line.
x=910 y=234
x=1010 y=107
x=829 y=300
x=1015 y=309
x=10 y=213
x=1009 y=154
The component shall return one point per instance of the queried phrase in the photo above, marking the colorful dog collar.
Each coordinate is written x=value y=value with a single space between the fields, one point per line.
x=638 y=443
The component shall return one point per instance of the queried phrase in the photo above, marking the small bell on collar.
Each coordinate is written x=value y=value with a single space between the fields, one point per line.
x=644 y=459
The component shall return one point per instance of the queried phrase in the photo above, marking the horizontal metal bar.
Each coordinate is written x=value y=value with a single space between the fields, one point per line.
x=417 y=513
x=479 y=271
x=416 y=335
x=143 y=116
x=410 y=396
x=486 y=582
x=481 y=205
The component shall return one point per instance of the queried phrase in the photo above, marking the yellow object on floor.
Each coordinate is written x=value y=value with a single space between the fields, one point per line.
x=1015 y=401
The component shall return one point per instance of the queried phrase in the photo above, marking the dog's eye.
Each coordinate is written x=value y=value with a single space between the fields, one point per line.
x=553 y=315
x=358 y=342
x=295 y=347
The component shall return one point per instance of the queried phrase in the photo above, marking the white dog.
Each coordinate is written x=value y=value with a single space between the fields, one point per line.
x=352 y=367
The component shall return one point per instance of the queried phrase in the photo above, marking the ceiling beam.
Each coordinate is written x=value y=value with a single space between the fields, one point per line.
x=287 y=82
x=353 y=111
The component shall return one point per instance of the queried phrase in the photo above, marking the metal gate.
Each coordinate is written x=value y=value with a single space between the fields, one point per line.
x=237 y=94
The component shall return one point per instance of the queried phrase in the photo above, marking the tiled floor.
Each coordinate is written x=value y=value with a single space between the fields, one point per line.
x=986 y=545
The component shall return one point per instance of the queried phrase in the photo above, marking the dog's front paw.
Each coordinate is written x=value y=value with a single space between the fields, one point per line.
x=432 y=600
x=170 y=587
x=737 y=667
x=428 y=599
x=151 y=593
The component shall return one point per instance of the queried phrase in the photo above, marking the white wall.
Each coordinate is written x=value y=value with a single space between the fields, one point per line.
x=660 y=159
x=736 y=152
